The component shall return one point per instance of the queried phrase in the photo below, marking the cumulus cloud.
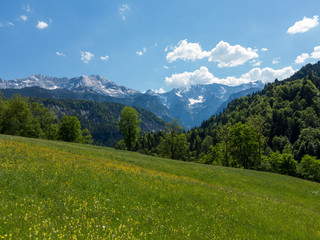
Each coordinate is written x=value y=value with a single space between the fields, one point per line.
x=316 y=53
x=264 y=49
x=42 y=25
x=203 y=76
x=224 y=54
x=304 y=25
x=24 y=18
x=186 y=51
x=302 y=58
x=86 y=56
x=267 y=74
x=104 y=58
x=305 y=56
x=200 y=76
x=60 y=54
x=141 y=52
x=123 y=9
x=231 y=56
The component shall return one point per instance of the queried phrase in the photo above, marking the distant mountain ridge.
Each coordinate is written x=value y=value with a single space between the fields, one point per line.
x=194 y=104
x=93 y=83
x=191 y=105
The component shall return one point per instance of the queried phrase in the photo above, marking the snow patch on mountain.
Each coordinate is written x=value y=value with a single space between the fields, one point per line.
x=195 y=101
x=179 y=94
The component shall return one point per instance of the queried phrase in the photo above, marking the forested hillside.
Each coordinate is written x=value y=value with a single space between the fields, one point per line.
x=290 y=110
x=145 y=101
x=276 y=129
x=40 y=117
x=101 y=117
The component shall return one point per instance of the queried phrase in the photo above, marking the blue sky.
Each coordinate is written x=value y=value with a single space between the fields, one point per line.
x=159 y=44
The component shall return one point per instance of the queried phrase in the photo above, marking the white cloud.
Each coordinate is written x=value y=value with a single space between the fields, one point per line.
x=165 y=67
x=255 y=62
x=302 y=58
x=42 y=25
x=264 y=49
x=123 y=9
x=276 y=60
x=267 y=74
x=186 y=51
x=11 y=24
x=60 y=54
x=316 y=52
x=24 y=18
x=231 y=56
x=304 y=25
x=203 y=76
x=141 y=52
x=86 y=56
x=305 y=56
x=104 y=58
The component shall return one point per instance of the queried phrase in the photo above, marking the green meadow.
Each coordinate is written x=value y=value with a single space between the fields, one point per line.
x=59 y=190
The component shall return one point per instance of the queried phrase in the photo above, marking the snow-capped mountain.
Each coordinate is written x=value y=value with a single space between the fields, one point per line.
x=92 y=83
x=35 y=80
x=194 y=104
x=191 y=105
x=101 y=85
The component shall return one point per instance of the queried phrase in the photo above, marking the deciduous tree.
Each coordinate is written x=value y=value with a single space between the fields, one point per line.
x=129 y=126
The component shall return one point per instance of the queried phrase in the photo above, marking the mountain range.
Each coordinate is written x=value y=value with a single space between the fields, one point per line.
x=191 y=105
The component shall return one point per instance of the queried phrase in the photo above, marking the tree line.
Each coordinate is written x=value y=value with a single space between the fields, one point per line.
x=276 y=129
x=22 y=117
x=171 y=142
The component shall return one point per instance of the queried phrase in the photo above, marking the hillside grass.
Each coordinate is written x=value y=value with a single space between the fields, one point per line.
x=59 y=190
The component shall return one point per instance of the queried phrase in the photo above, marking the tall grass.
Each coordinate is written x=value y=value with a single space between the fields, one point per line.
x=58 y=190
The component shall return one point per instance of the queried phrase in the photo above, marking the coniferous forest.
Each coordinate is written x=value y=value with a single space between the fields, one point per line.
x=276 y=129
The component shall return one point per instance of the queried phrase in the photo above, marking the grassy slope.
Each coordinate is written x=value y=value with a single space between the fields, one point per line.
x=70 y=191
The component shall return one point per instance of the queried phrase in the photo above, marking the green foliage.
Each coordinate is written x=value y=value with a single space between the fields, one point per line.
x=174 y=144
x=243 y=145
x=129 y=126
x=70 y=129
x=307 y=143
x=86 y=137
x=21 y=117
x=223 y=150
x=284 y=117
x=100 y=118
x=279 y=143
x=121 y=145
x=309 y=168
x=18 y=119
x=283 y=163
x=24 y=117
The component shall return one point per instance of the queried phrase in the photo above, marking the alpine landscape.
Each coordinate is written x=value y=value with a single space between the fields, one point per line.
x=159 y=120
